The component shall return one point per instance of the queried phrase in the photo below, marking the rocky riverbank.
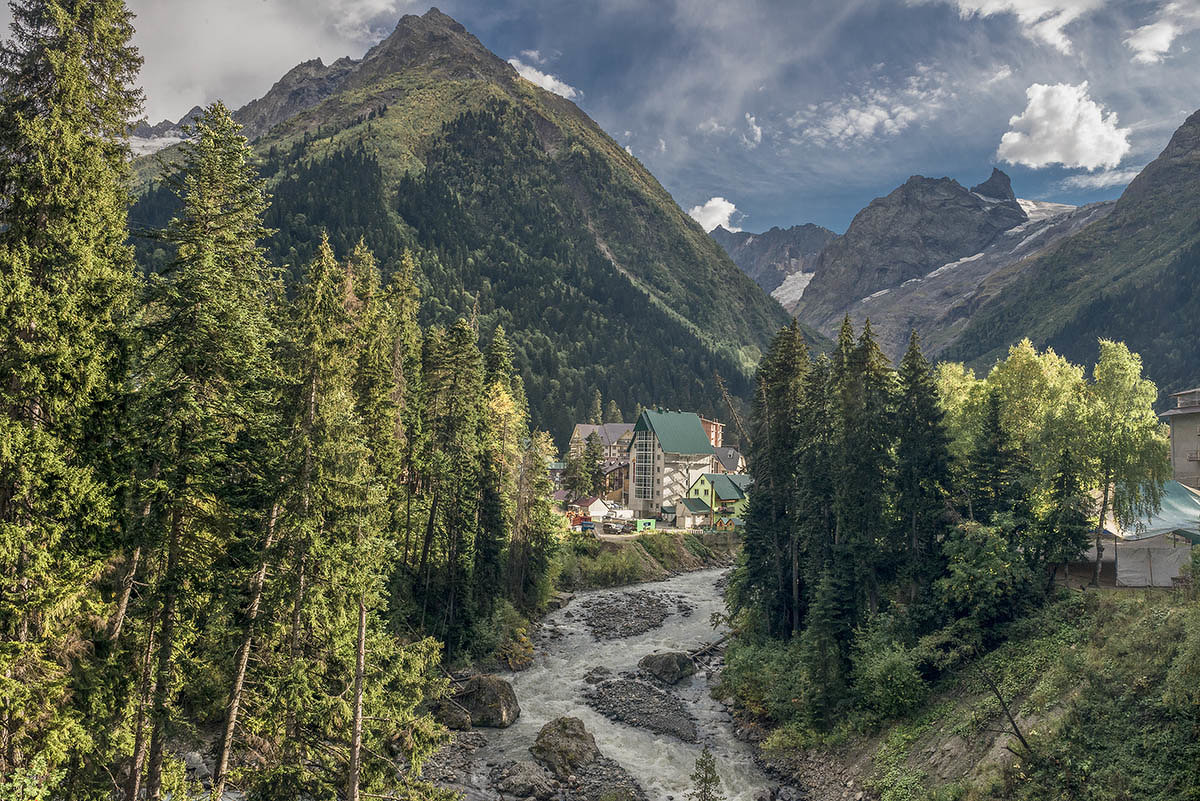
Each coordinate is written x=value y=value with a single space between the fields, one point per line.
x=618 y=662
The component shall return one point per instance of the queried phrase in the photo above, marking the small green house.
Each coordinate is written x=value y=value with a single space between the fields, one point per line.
x=723 y=493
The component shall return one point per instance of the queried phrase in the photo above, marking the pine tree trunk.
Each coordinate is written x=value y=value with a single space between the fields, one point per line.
x=795 y=585
x=133 y=783
x=118 y=619
x=243 y=659
x=292 y=726
x=1099 y=531
x=356 y=728
x=162 y=688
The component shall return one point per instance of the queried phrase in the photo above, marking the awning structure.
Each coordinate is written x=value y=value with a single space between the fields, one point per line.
x=1152 y=551
x=1179 y=515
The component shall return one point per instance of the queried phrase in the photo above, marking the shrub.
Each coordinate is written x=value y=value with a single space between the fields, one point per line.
x=885 y=676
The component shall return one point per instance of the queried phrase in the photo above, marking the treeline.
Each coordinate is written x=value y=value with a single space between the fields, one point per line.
x=900 y=515
x=222 y=510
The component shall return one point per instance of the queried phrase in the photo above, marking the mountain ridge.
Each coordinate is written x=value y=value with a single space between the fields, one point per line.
x=521 y=211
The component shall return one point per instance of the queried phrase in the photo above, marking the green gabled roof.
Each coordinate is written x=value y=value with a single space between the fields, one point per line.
x=724 y=487
x=695 y=505
x=741 y=481
x=677 y=432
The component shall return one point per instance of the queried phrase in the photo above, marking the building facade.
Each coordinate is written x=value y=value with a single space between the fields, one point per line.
x=1184 y=421
x=667 y=452
x=724 y=493
x=614 y=439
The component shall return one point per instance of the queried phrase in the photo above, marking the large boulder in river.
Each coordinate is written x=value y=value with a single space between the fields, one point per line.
x=490 y=701
x=524 y=779
x=670 y=666
x=452 y=715
x=564 y=746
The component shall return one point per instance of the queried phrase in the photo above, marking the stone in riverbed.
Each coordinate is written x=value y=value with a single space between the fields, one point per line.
x=490 y=701
x=524 y=779
x=639 y=704
x=669 y=667
x=564 y=746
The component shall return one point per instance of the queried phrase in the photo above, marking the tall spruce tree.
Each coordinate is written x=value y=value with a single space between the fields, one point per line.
x=67 y=91
x=204 y=383
x=922 y=470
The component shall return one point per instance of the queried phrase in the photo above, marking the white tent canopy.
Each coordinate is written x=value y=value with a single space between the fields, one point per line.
x=1152 y=551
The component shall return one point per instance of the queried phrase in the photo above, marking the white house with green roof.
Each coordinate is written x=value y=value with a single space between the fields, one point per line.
x=668 y=451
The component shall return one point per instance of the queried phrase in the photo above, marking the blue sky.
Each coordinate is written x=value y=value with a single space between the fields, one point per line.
x=767 y=112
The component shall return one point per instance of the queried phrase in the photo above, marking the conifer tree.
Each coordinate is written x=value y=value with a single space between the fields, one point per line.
x=1062 y=531
x=865 y=469
x=596 y=410
x=612 y=412
x=994 y=466
x=204 y=382
x=706 y=782
x=922 y=469
x=67 y=91
x=593 y=464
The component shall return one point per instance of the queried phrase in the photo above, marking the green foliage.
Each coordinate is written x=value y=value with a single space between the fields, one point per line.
x=986 y=576
x=706 y=783
x=886 y=676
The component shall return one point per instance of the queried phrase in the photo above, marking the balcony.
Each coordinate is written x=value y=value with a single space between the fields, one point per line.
x=1193 y=456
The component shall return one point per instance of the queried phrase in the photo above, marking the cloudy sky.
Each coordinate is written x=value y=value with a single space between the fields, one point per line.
x=756 y=113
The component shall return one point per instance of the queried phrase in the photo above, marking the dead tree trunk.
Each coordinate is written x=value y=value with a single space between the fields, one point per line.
x=360 y=667
x=243 y=658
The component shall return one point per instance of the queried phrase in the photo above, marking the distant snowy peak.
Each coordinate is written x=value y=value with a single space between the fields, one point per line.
x=1037 y=210
x=145 y=138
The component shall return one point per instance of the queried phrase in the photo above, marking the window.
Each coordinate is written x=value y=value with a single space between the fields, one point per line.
x=643 y=449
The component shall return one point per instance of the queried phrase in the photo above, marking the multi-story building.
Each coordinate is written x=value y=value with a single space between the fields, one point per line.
x=668 y=451
x=1184 y=420
x=614 y=439
x=715 y=431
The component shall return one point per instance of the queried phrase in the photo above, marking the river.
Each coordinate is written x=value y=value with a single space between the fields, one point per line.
x=554 y=686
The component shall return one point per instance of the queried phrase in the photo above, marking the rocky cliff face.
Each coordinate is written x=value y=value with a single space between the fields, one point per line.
x=1129 y=275
x=770 y=258
x=921 y=226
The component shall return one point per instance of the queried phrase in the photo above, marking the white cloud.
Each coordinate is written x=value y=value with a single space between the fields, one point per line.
x=715 y=211
x=548 y=82
x=754 y=139
x=1151 y=42
x=662 y=145
x=879 y=111
x=534 y=55
x=1002 y=74
x=1100 y=180
x=629 y=150
x=1062 y=125
x=1041 y=20
x=711 y=126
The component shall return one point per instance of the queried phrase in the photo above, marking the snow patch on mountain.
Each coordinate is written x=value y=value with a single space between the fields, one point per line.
x=145 y=145
x=792 y=288
x=1041 y=209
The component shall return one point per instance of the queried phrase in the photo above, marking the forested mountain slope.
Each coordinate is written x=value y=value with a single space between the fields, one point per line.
x=1130 y=276
x=519 y=210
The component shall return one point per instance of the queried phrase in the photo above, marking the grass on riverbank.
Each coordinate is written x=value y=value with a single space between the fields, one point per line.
x=584 y=562
x=1105 y=687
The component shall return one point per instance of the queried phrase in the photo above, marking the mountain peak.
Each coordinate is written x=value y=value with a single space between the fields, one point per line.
x=997 y=187
x=432 y=41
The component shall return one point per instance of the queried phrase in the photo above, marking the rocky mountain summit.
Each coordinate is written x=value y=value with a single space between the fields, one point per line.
x=779 y=260
x=923 y=224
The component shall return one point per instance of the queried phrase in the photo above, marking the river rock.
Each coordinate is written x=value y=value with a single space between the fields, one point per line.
x=490 y=701
x=452 y=715
x=524 y=779
x=564 y=746
x=639 y=704
x=669 y=667
x=605 y=780
x=625 y=614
